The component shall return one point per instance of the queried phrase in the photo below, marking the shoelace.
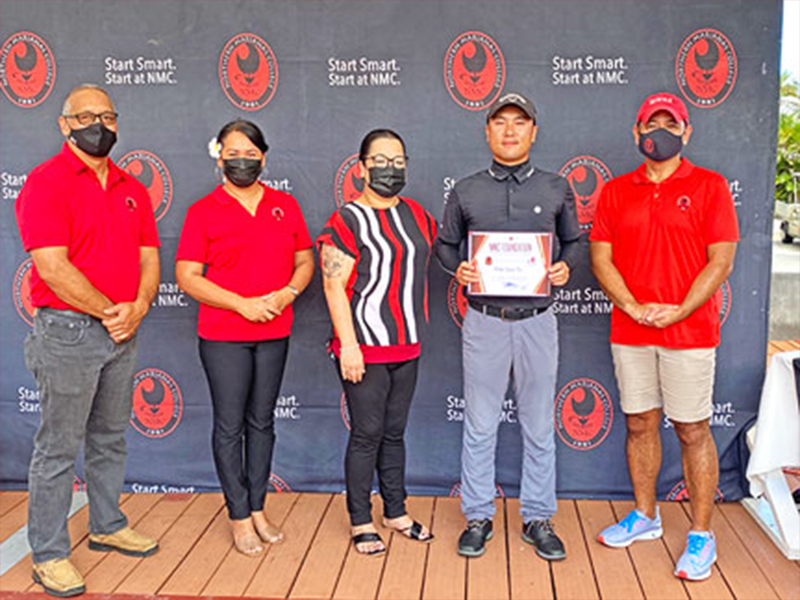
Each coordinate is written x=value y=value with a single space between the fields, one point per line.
x=547 y=526
x=629 y=521
x=696 y=544
x=477 y=524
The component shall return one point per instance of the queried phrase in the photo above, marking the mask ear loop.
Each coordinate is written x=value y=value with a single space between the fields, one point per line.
x=264 y=173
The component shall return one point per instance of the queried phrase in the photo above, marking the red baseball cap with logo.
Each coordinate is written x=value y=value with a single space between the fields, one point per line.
x=663 y=101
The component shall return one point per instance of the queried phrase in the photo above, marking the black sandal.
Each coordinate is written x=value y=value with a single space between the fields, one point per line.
x=369 y=536
x=414 y=532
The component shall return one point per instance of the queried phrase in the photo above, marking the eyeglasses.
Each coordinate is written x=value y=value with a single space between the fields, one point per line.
x=381 y=161
x=87 y=117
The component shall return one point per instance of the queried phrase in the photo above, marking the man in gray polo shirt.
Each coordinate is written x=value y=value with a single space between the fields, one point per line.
x=505 y=333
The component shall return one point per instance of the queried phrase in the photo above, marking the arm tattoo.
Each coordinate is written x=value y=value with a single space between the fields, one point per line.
x=332 y=262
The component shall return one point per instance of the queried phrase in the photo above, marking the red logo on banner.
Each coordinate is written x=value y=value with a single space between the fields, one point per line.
x=583 y=414
x=153 y=174
x=349 y=184
x=27 y=69
x=278 y=484
x=474 y=70
x=724 y=300
x=157 y=403
x=344 y=411
x=248 y=71
x=706 y=68
x=680 y=492
x=586 y=176
x=78 y=484
x=22 y=291
x=456 y=301
x=455 y=491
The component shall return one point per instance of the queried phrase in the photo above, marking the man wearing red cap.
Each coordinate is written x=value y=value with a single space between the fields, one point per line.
x=663 y=241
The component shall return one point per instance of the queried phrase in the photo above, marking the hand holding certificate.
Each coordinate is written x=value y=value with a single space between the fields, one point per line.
x=511 y=263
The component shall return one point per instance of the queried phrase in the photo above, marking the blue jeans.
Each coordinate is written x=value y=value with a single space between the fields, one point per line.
x=491 y=348
x=86 y=391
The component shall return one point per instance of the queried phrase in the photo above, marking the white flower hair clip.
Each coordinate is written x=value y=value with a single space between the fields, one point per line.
x=214 y=148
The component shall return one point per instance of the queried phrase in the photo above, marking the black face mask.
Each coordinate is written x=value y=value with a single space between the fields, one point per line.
x=387 y=181
x=96 y=139
x=242 y=172
x=660 y=145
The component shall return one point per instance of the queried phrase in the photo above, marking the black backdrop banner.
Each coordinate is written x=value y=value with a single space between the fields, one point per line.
x=316 y=76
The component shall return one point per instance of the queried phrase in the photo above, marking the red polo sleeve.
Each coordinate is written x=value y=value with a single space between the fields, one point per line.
x=720 y=223
x=193 y=244
x=149 y=231
x=42 y=214
x=603 y=224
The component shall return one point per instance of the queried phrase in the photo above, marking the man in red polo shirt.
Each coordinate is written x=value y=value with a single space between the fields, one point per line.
x=90 y=230
x=663 y=241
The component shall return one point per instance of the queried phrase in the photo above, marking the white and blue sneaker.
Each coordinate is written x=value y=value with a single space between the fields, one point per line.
x=636 y=526
x=700 y=554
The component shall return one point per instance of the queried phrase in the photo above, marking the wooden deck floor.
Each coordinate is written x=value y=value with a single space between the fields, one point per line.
x=783 y=346
x=316 y=560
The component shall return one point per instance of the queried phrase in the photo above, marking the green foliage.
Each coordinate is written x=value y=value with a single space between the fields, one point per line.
x=788 y=163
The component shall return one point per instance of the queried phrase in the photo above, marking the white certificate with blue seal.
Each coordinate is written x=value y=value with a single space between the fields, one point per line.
x=510 y=263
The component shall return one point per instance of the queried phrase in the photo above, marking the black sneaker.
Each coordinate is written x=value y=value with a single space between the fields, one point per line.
x=542 y=535
x=473 y=540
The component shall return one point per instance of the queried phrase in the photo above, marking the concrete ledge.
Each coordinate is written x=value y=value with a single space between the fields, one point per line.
x=784 y=319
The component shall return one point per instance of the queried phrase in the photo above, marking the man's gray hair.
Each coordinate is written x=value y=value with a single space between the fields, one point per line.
x=66 y=108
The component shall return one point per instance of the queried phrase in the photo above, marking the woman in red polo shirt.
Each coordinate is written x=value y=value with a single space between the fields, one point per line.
x=375 y=253
x=254 y=247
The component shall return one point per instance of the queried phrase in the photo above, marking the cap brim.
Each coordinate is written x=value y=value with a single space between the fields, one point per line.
x=645 y=116
x=500 y=107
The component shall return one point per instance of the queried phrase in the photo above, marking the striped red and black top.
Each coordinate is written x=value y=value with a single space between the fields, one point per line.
x=388 y=288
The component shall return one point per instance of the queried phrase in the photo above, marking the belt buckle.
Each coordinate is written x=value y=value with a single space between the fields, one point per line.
x=503 y=314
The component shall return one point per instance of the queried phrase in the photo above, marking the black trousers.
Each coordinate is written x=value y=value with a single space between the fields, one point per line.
x=378 y=408
x=244 y=379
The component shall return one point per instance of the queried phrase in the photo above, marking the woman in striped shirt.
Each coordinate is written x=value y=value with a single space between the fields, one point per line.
x=375 y=253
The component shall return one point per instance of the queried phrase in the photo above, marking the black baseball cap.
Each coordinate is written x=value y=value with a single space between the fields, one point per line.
x=512 y=99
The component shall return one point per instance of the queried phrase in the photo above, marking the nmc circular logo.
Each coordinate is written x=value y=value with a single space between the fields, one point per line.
x=586 y=176
x=22 y=291
x=457 y=301
x=248 y=71
x=724 y=299
x=583 y=414
x=706 y=67
x=474 y=70
x=680 y=493
x=27 y=69
x=153 y=174
x=278 y=484
x=157 y=403
x=349 y=184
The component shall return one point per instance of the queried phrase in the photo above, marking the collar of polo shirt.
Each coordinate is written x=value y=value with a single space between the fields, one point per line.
x=498 y=172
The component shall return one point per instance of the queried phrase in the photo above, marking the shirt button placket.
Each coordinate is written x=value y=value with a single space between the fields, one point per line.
x=509 y=191
x=657 y=197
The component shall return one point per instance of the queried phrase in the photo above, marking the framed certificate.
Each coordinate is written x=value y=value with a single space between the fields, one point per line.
x=511 y=263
